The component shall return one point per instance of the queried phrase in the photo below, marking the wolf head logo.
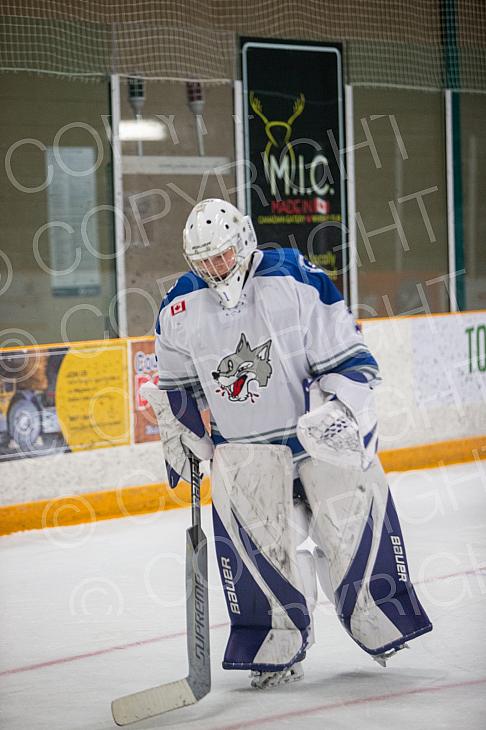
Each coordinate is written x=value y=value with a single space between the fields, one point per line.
x=236 y=371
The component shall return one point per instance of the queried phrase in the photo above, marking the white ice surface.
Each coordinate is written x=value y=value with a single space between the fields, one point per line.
x=73 y=599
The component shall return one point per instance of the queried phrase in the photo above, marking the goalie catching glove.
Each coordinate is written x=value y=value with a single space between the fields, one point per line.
x=340 y=426
x=181 y=430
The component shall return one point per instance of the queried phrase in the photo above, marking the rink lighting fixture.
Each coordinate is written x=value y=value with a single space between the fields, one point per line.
x=142 y=129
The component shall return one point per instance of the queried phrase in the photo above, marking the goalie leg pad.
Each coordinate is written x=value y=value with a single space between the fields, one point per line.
x=356 y=525
x=256 y=552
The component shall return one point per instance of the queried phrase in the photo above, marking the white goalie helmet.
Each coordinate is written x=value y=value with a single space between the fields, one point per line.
x=218 y=242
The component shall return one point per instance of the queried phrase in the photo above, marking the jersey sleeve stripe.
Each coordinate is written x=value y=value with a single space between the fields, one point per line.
x=177 y=383
x=363 y=362
x=323 y=366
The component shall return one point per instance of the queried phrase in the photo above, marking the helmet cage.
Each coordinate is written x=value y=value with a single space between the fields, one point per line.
x=218 y=267
x=204 y=240
x=195 y=258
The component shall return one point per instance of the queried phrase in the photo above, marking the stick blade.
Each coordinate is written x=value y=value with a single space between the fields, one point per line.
x=152 y=702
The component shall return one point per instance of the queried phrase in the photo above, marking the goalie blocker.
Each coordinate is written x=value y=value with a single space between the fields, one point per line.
x=269 y=584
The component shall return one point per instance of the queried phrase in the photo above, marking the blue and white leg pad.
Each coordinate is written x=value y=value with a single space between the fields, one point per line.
x=355 y=523
x=256 y=552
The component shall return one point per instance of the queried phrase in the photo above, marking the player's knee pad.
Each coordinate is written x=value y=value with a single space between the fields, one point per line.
x=299 y=521
x=301 y=516
x=307 y=570
x=356 y=525
x=322 y=571
x=256 y=551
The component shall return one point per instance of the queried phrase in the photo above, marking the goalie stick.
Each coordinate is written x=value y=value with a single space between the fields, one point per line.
x=187 y=691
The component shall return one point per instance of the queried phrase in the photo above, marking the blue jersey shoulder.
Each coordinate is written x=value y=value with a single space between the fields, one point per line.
x=187 y=284
x=289 y=262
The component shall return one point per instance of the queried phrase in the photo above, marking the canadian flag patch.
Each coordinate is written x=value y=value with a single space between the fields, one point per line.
x=178 y=307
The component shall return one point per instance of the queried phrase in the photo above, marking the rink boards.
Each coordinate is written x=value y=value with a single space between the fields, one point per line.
x=431 y=406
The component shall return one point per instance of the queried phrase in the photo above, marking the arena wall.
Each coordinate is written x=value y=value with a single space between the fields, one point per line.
x=431 y=406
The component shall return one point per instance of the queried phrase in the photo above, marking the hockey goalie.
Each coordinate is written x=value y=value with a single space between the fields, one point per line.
x=263 y=339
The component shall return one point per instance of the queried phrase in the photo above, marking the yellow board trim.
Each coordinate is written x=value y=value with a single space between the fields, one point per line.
x=430 y=456
x=93 y=506
x=130 y=501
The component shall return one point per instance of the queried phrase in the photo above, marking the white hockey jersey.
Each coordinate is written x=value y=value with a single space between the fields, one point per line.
x=248 y=364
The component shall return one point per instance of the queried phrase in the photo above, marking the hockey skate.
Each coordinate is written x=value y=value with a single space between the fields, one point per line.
x=383 y=658
x=265 y=680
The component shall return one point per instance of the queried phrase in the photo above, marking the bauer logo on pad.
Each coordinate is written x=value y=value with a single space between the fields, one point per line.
x=178 y=308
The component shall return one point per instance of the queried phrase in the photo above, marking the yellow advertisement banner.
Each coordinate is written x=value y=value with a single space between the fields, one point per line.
x=142 y=370
x=63 y=398
x=92 y=397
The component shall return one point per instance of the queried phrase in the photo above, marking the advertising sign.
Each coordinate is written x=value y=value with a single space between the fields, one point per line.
x=449 y=361
x=143 y=370
x=294 y=148
x=65 y=398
